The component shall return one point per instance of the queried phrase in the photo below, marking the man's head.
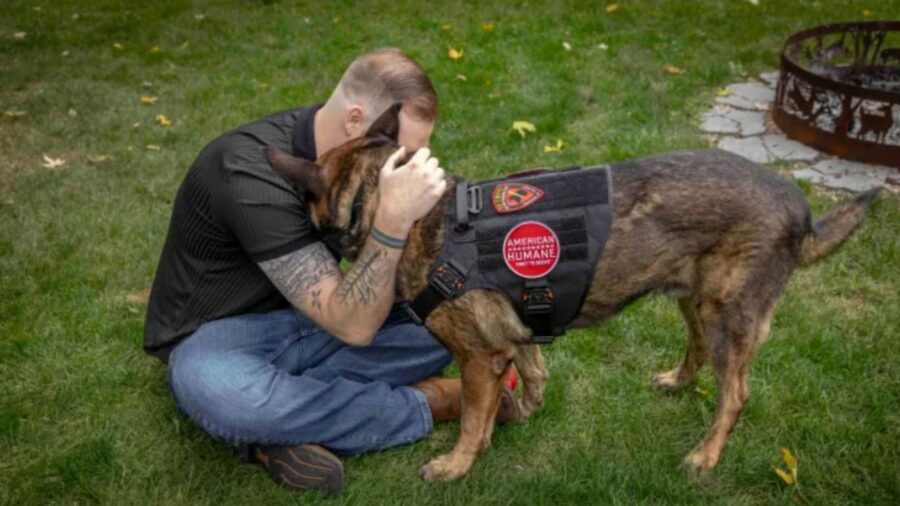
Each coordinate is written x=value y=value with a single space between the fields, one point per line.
x=371 y=84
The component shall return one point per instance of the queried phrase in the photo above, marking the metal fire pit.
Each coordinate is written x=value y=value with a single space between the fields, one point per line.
x=839 y=90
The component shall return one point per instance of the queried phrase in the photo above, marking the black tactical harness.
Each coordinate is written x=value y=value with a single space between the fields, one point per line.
x=483 y=244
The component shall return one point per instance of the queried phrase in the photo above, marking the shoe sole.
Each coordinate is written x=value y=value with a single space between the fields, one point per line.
x=303 y=467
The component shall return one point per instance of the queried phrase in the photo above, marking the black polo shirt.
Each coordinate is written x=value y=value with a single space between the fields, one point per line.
x=231 y=212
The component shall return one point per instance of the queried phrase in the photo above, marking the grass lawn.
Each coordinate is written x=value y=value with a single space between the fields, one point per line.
x=85 y=416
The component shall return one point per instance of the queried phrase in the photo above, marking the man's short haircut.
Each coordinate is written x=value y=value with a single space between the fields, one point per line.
x=387 y=76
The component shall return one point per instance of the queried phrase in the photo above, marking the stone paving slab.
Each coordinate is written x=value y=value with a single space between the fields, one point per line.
x=768 y=148
x=846 y=175
x=749 y=96
x=732 y=121
x=770 y=78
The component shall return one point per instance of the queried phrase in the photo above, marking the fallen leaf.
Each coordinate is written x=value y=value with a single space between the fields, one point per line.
x=703 y=393
x=460 y=77
x=199 y=17
x=754 y=2
x=52 y=163
x=554 y=148
x=487 y=26
x=602 y=47
x=97 y=159
x=64 y=53
x=523 y=126
x=446 y=26
x=789 y=458
x=153 y=147
x=454 y=54
x=148 y=99
x=612 y=8
x=20 y=35
x=184 y=45
x=163 y=120
x=712 y=140
x=723 y=92
x=672 y=69
x=138 y=297
x=72 y=112
x=786 y=477
x=153 y=50
x=867 y=13
x=567 y=46
x=263 y=86
x=136 y=125
x=15 y=114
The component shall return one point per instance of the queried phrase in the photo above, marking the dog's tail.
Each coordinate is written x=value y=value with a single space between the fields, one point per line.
x=834 y=228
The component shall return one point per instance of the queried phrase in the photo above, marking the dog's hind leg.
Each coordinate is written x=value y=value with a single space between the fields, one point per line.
x=482 y=380
x=696 y=354
x=533 y=373
x=734 y=330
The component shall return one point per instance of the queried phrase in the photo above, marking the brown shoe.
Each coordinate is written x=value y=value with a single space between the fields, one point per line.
x=444 y=399
x=302 y=467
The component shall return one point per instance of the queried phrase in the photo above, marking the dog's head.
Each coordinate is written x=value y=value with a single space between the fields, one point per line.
x=341 y=186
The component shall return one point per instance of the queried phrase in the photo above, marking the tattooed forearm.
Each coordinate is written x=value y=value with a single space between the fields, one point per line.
x=366 y=277
x=296 y=273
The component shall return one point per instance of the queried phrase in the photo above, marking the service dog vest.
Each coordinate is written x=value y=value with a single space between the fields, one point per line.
x=536 y=236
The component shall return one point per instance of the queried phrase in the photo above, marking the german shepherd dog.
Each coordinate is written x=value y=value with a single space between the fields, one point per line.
x=719 y=233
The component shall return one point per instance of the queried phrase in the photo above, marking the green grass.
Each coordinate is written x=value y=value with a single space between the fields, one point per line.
x=86 y=417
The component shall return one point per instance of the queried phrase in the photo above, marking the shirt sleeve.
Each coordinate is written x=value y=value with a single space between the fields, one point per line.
x=267 y=218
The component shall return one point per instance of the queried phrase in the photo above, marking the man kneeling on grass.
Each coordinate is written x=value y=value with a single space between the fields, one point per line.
x=269 y=347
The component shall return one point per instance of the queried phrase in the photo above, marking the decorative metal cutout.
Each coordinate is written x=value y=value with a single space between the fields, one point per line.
x=839 y=90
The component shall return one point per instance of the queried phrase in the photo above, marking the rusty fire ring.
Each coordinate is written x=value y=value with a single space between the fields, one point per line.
x=840 y=97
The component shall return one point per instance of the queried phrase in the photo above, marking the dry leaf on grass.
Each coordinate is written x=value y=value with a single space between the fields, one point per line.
x=52 y=163
x=154 y=50
x=446 y=26
x=611 y=8
x=97 y=159
x=488 y=26
x=163 y=120
x=20 y=35
x=138 y=297
x=460 y=77
x=672 y=69
x=723 y=92
x=523 y=126
x=454 y=53
x=118 y=46
x=148 y=99
x=553 y=148
x=15 y=114
x=153 y=147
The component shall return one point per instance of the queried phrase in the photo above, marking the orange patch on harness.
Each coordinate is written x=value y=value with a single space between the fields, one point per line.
x=512 y=197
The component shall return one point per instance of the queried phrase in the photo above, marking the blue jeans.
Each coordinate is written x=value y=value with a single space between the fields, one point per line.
x=277 y=378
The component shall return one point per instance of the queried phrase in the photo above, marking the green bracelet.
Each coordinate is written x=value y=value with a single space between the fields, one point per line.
x=390 y=242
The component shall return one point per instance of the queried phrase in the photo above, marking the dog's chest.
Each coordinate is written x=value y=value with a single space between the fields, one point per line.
x=536 y=237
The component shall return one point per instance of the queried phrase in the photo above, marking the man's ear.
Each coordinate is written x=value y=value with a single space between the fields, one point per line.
x=304 y=174
x=388 y=124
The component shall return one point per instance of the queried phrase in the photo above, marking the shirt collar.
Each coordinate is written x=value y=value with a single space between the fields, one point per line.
x=303 y=141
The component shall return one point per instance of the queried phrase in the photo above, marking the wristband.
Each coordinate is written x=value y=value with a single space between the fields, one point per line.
x=382 y=238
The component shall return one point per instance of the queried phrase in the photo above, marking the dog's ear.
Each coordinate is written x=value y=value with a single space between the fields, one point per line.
x=304 y=174
x=388 y=124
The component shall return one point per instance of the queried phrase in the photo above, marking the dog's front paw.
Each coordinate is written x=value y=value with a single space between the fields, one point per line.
x=443 y=468
x=699 y=461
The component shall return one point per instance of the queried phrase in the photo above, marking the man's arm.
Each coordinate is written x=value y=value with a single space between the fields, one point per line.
x=353 y=307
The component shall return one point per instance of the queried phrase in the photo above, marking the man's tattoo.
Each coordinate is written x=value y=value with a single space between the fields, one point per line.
x=365 y=277
x=316 y=302
x=296 y=273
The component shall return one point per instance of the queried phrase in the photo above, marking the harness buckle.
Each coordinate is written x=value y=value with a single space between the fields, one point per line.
x=538 y=300
x=447 y=279
x=474 y=200
x=539 y=308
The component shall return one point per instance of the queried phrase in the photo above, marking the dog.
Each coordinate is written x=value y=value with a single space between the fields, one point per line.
x=717 y=232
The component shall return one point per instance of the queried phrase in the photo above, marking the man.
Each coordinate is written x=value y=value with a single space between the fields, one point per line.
x=268 y=345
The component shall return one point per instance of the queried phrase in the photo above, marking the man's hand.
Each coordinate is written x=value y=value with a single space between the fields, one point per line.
x=408 y=192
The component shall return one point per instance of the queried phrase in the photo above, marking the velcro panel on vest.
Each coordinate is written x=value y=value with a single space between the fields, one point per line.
x=575 y=204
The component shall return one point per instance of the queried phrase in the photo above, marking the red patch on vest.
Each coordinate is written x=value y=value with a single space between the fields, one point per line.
x=512 y=197
x=531 y=249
